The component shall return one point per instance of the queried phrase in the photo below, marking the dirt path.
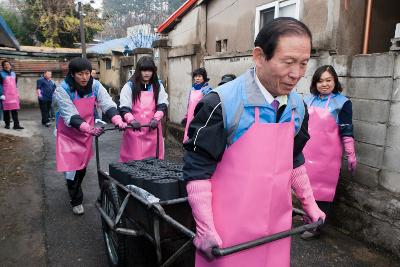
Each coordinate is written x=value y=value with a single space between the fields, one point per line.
x=22 y=241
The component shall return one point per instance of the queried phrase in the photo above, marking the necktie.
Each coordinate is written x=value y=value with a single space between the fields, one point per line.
x=275 y=105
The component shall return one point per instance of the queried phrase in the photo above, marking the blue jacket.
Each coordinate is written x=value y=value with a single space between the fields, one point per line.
x=239 y=99
x=46 y=88
x=335 y=104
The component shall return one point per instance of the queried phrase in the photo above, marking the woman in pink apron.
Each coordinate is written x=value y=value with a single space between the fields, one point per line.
x=143 y=101
x=330 y=128
x=77 y=96
x=244 y=154
x=199 y=89
x=9 y=95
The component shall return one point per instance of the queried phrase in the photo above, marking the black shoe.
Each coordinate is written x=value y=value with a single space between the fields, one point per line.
x=18 y=127
x=48 y=124
x=7 y=126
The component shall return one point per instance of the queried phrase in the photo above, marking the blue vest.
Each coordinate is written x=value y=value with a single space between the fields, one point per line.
x=72 y=94
x=239 y=99
x=335 y=104
x=205 y=89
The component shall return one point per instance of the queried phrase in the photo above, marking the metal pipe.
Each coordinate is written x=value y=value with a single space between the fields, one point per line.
x=251 y=244
x=82 y=29
x=130 y=232
x=367 y=26
x=105 y=216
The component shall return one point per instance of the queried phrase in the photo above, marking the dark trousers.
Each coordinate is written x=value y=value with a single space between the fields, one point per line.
x=14 y=115
x=45 y=109
x=75 y=188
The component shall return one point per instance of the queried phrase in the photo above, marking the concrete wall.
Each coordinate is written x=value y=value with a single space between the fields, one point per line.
x=27 y=88
x=187 y=31
x=217 y=66
x=179 y=84
x=327 y=19
x=110 y=77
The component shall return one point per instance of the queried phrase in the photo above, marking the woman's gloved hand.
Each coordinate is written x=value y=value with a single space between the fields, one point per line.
x=86 y=128
x=136 y=126
x=302 y=188
x=153 y=124
x=156 y=119
x=2 y=97
x=199 y=196
x=117 y=121
x=349 y=148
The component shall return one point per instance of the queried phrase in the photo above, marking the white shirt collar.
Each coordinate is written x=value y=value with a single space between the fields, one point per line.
x=268 y=97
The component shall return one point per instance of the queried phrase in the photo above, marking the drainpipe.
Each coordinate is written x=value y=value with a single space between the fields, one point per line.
x=367 y=27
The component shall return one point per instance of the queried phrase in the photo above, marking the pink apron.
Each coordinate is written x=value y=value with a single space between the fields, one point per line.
x=252 y=195
x=323 y=153
x=138 y=145
x=11 y=94
x=194 y=99
x=74 y=148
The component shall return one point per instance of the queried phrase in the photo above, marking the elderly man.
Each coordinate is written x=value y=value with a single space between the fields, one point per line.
x=45 y=88
x=244 y=153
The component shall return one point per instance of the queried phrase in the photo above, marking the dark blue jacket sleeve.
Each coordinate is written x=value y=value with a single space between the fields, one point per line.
x=346 y=120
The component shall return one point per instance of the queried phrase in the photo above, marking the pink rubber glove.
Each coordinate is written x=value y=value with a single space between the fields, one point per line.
x=349 y=148
x=158 y=115
x=302 y=188
x=86 y=128
x=128 y=117
x=199 y=196
x=117 y=121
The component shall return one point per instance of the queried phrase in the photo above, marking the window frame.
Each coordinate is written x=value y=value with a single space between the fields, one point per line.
x=276 y=5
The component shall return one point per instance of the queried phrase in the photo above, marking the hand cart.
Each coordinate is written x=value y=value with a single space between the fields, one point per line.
x=140 y=232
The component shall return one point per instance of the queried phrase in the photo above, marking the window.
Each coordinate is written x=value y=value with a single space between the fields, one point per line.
x=224 y=46
x=218 y=46
x=267 y=12
x=221 y=45
x=108 y=64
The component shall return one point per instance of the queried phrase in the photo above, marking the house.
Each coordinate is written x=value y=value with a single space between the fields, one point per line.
x=353 y=36
x=117 y=57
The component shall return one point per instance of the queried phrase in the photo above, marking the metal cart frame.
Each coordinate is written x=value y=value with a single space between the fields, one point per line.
x=111 y=220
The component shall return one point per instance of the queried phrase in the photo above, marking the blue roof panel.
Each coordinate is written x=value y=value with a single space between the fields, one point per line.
x=137 y=41
x=7 y=37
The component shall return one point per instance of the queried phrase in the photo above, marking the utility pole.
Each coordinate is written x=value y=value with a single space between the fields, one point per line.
x=82 y=29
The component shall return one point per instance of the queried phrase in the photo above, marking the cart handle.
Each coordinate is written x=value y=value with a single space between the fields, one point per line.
x=218 y=252
x=96 y=141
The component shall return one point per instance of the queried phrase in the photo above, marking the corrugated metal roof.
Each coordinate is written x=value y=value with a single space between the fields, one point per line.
x=7 y=37
x=38 y=66
x=106 y=48
x=44 y=49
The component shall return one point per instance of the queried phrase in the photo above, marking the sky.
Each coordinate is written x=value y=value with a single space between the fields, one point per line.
x=97 y=3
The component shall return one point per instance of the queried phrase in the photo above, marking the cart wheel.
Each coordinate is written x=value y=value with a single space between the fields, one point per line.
x=116 y=244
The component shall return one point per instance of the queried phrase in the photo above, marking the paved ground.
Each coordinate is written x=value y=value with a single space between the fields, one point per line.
x=42 y=231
